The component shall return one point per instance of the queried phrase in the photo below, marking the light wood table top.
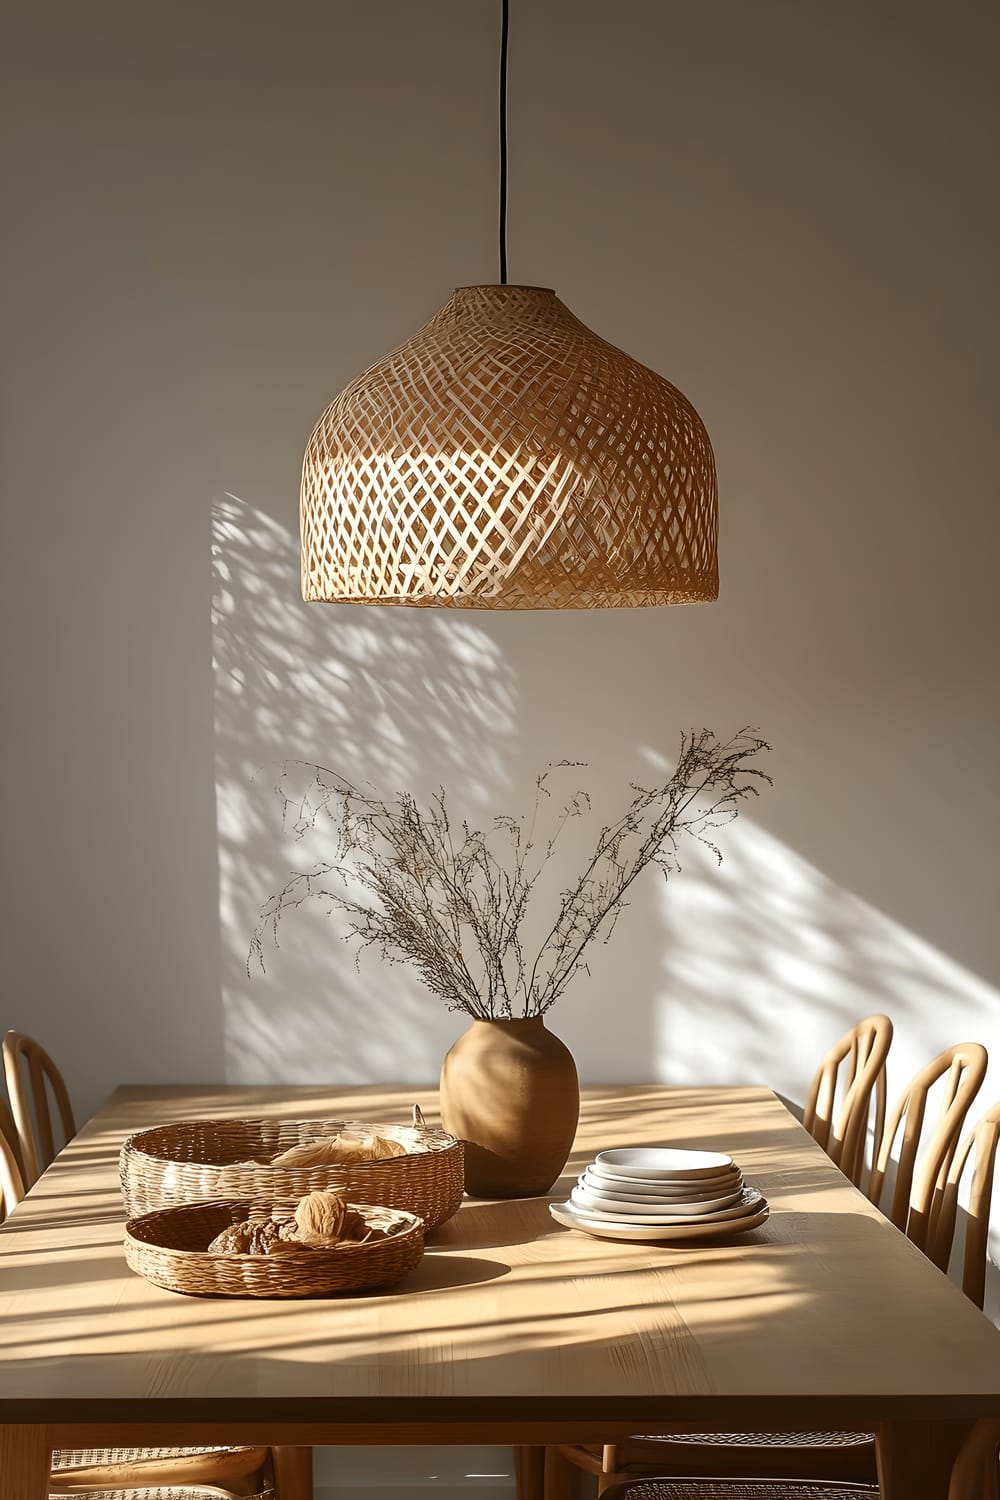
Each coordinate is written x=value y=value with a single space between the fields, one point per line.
x=512 y=1328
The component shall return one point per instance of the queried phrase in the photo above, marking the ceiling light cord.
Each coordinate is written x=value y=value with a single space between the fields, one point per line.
x=504 y=27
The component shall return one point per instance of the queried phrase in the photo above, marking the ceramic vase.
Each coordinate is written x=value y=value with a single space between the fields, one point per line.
x=509 y=1089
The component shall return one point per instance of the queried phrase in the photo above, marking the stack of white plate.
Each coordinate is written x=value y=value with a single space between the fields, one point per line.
x=654 y=1193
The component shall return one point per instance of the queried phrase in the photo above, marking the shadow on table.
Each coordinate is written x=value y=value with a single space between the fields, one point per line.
x=491 y=1226
x=440 y=1273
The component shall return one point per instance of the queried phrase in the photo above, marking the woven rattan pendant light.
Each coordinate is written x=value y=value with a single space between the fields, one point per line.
x=506 y=457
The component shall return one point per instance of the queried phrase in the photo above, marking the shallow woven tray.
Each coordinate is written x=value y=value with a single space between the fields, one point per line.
x=168 y=1247
x=195 y=1160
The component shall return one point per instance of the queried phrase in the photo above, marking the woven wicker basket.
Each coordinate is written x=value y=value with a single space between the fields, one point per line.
x=169 y=1247
x=196 y=1160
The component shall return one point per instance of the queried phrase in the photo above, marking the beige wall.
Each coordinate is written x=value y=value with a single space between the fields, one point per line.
x=215 y=214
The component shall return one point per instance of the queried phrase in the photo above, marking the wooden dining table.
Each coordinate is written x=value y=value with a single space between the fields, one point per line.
x=512 y=1329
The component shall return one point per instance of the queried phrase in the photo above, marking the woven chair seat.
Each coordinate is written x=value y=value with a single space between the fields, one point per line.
x=794 y=1457
x=172 y=1492
x=91 y=1458
x=71 y=1466
x=766 y=1439
x=738 y=1489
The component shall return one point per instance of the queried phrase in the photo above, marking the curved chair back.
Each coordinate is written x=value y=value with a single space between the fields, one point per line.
x=30 y=1073
x=979 y=1145
x=839 y=1104
x=916 y=1198
x=9 y=1131
x=11 y=1182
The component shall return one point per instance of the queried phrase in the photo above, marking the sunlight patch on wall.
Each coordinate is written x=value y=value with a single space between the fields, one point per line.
x=412 y=699
x=771 y=953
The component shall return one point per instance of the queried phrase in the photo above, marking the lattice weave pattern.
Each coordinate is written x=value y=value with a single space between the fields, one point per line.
x=768 y=1439
x=505 y=457
x=193 y=1160
x=168 y=1492
x=138 y=1473
x=83 y=1458
x=739 y=1489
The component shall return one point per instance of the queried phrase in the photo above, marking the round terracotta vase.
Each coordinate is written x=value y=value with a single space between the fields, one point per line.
x=509 y=1089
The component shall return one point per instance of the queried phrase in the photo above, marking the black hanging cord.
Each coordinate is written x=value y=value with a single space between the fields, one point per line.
x=504 y=27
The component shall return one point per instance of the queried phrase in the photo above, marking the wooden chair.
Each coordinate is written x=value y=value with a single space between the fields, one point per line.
x=736 y=1490
x=172 y=1473
x=918 y=1190
x=31 y=1076
x=923 y=1208
x=136 y=1473
x=974 y=1477
x=977 y=1470
x=9 y=1132
x=11 y=1181
x=279 y=1473
x=839 y=1104
x=980 y=1146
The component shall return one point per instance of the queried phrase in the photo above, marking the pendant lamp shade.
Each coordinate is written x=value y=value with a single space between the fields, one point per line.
x=505 y=457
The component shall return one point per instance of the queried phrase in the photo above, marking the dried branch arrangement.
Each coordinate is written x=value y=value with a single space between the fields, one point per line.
x=451 y=899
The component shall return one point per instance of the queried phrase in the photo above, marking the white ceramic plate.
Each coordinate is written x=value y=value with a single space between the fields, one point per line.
x=638 y=1187
x=634 y=1191
x=663 y=1234
x=588 y=1198
x=749 y=1202
x=653 y=1163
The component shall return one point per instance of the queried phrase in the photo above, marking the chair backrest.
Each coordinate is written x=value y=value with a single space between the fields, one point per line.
x=11 y=1181
x=919 y=1187
x=9 y=1131
x=980 y=1146
x=30 y=1072
x=839 y=1103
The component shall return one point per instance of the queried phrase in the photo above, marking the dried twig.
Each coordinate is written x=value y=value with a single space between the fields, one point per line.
x=451 y=902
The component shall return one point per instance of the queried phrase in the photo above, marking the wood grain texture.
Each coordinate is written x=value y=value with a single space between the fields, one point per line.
x=512 y=1329
x=915 y=1459
x=976 y=1473
x=24 y=1463
x=836 y=1116
x=293 y=1473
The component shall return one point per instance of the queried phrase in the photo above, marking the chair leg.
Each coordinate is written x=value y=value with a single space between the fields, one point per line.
x=561 y=1476
x=293 y=1473
x=529 y=1473
x=975 y=1475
